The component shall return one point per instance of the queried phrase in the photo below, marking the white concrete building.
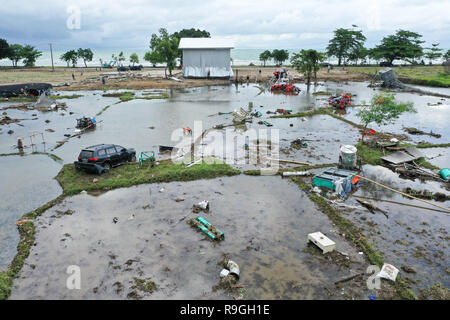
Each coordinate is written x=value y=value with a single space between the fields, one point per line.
x=206 y=57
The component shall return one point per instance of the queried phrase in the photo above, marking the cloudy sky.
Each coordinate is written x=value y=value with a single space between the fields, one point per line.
x=121 y=24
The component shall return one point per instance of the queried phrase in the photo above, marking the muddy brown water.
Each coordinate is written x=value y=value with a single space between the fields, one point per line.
x=266 y=227
x=128 y=124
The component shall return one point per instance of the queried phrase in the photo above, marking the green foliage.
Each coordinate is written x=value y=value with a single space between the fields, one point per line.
x=383 y=110
x=166 y=46
x=70 y=56
x=134 y=58
x=189 y=33
x=346 y=44
x=153 y=57
x=446 y=55
x=434 y=52
x=280 y=56
x=15 y=53
x=30 y=54
x=4 y=49
x=404 y=45
x=308 y=63
x=85 y=54
x=264 y=56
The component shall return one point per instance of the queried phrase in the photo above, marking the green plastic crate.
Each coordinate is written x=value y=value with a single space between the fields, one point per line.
x=327 y=177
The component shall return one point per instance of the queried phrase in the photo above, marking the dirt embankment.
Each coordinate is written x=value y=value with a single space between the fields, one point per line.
x=152 y=78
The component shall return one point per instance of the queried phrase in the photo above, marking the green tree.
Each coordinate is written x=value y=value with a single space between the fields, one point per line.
x=446 y=55
x=280 y=56
x=404 y=45
x=264 y=56
x=15 y=54
x=434 y=52
x=359 y=53
x=166 y=46
x=308 y=63
x=4 y=49
x=134 y=58
x=344 y=43
x=153 y=57
x=383 y=110
x=189 y=33
x=70 y=56
x=86 y=55
x=30 y=55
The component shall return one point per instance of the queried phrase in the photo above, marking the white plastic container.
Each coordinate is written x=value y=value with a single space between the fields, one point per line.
x=320 y=240
x=347 y=156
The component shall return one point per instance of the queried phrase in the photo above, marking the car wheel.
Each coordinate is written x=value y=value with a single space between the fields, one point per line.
x=133 y=158
x=107 y=166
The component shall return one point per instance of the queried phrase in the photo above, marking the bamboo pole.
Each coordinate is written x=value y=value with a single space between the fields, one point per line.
x=404 y=194
x=401 y=203
x=291 y=161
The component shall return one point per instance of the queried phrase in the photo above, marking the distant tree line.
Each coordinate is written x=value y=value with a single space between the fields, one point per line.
x=72 y=56
x=16 y=52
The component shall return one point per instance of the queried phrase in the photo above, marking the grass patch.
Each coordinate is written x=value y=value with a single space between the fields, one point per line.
x=73 y=96
x=433 y=76
x=73 y=181
x=325 y=111
x=370 y=155
x=19 y=99
x=321 y=93
x=433 y=145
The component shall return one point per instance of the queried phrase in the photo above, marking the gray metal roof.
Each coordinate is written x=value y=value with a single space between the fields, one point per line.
x=205 y=43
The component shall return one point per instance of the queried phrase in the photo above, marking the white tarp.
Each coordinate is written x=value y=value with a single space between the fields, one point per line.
x=201 y=63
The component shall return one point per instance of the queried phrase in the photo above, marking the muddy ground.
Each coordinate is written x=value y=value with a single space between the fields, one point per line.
x=411 y=237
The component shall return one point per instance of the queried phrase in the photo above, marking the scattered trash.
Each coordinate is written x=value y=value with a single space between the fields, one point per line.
x=95 y=180
x=86 y=123
x=320 y=240
x=420 y=132
x=234 y=269
x=131 y=216
x=224 y=273
x=147 y=155
x=299 y=143
x=161 y=190
x=371 y=207
x=317 y=190
x=207 y=228
x=201 y=206
x=408 y=155
x=372 y=297
x=115 y=219
x=388 y=271
x=296 y=173
x=179 y=199
x=349 y=278
x=340 y=101
x=328 y=177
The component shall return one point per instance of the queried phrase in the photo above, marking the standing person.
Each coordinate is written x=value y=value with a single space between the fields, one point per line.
x=73 y=76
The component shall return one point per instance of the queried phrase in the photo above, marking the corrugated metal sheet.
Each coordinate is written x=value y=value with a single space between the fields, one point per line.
x=205 y=43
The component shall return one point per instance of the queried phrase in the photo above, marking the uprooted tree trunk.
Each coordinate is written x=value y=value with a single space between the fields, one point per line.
x=389 y=80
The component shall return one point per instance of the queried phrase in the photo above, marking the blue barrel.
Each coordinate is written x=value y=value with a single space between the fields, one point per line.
x=445 y=173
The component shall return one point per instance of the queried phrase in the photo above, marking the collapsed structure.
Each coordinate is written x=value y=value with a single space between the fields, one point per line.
x=206 y=58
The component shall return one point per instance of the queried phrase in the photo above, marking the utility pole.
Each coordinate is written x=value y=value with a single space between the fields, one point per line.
x=51 y=53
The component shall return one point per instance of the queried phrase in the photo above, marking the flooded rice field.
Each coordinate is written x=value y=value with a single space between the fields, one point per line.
x=266 y=219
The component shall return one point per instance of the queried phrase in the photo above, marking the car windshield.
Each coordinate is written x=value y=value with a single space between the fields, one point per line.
x=86 y=154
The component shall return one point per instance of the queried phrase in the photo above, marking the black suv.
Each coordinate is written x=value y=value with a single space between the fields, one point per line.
x=102 y=157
